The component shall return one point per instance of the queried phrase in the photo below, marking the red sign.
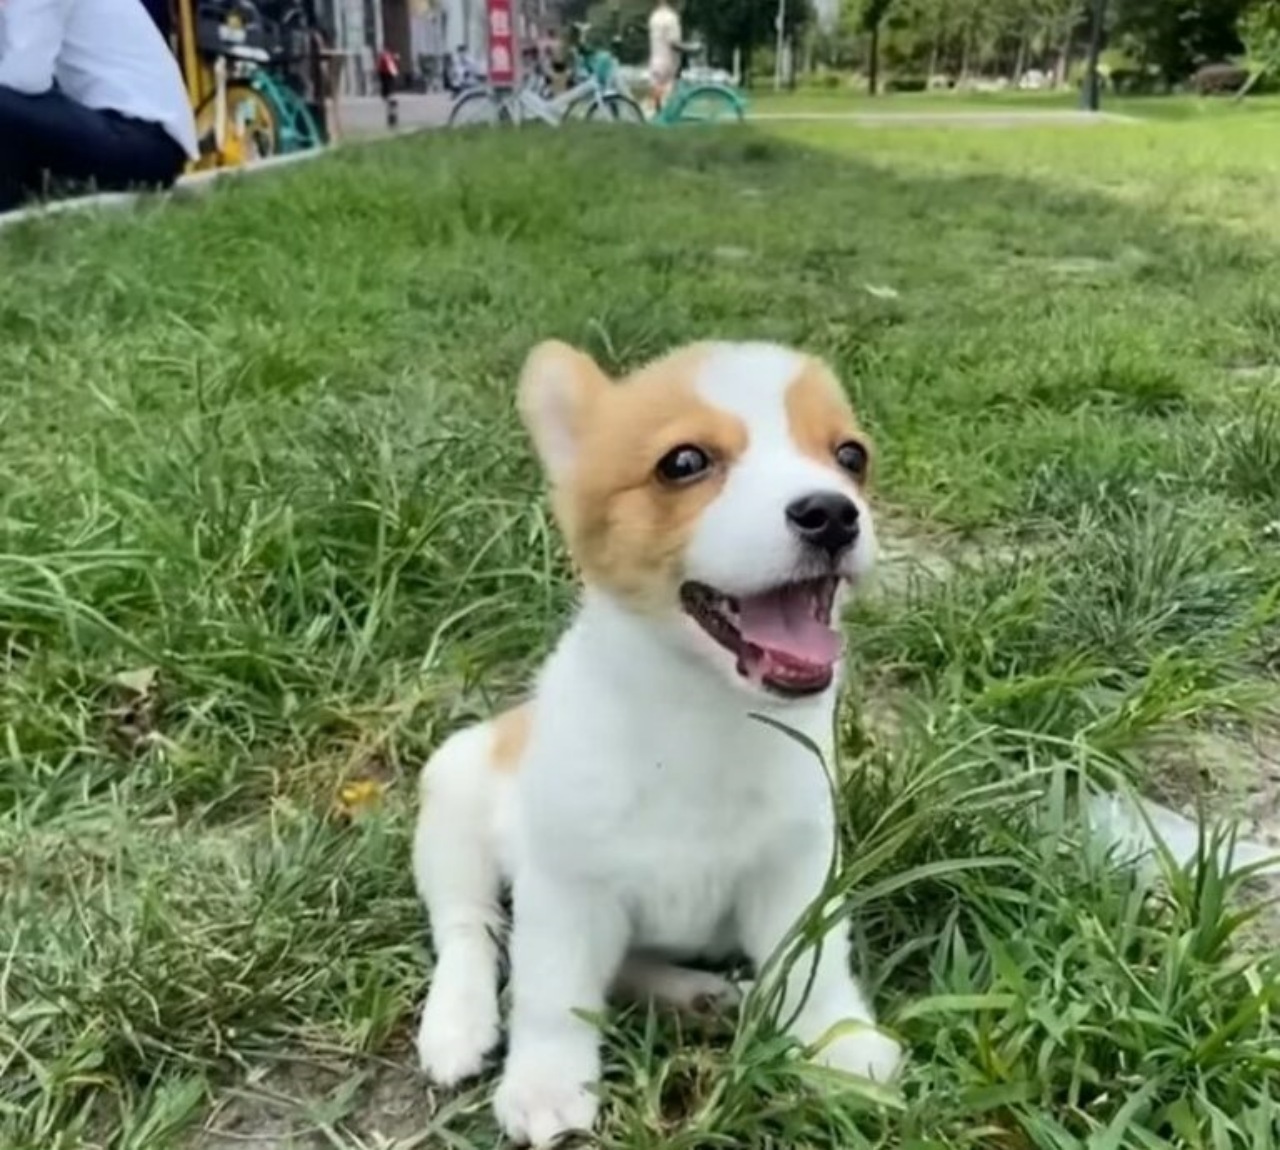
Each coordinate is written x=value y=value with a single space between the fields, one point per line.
x=502 y=44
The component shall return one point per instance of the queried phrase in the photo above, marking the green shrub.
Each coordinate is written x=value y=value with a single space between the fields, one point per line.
x=1219 y=79
x=907 y=84
x=821 y=80
x=1134 y=81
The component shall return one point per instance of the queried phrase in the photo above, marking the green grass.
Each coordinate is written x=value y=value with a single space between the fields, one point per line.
x=268 y=526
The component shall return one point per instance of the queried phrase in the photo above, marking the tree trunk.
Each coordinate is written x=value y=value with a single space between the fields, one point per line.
x=933 y=59
x=1064 y=61
x=1254 y=76
x=964 y=55
x=1020 y=60
x=873 y=64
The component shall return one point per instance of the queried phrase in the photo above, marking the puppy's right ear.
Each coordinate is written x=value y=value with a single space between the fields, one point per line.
x=558 y=387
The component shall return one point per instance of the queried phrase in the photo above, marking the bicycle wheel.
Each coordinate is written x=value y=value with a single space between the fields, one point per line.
x=708 y=105
x=248 y=112
x=299 y=131
x=478 y=107
x=615 y=108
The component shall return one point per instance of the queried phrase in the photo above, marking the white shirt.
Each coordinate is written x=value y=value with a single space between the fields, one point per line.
x=664 y=35
x=104 y=54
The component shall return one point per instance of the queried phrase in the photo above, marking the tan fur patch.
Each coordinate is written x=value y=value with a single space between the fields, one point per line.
x=819 y=414
x=510 y=736
x=626 y=528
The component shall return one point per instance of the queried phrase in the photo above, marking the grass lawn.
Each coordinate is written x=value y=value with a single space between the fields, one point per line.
x=268 y=528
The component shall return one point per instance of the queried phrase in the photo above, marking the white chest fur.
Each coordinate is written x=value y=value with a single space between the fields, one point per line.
x=667 y=786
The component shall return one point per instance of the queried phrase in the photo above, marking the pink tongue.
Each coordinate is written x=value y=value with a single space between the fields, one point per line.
x=784 y=623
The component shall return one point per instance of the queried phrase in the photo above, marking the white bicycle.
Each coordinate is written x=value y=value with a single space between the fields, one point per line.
x=595 y=95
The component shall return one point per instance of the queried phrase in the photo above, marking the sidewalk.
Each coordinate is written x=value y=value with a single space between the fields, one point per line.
x=948 y=118
x=364 y=116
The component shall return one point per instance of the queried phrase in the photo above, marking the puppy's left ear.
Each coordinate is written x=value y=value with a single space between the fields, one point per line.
x=558 y=388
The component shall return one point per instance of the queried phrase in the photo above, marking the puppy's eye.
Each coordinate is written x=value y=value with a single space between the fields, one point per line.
x=852 y=456
x=683 y=464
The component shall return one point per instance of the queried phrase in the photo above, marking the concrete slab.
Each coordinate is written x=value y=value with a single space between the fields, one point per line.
x=957 y=119
x=364 y=116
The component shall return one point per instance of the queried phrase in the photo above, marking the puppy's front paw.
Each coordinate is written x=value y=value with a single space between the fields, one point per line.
x=457 y=1031
x=537 y=1104
x=863 y=1051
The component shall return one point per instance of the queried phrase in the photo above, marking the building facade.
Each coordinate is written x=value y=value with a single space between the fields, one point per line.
x=420 y=33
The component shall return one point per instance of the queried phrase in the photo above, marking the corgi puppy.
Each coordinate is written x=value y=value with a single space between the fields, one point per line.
x=714 y=504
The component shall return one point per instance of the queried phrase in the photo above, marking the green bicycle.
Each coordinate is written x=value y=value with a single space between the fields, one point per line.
x=699 y=101
x=612 y=101
x=253 y=94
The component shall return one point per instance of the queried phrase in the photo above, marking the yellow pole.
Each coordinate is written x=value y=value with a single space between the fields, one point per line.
x=191 y=71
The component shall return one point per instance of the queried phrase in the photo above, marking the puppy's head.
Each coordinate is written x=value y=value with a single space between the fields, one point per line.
x=718 y=492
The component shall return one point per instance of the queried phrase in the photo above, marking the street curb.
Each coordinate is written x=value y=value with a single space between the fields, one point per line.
x=198 y=182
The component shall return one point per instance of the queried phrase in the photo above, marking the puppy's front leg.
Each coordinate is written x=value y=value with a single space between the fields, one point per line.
x=568 y=940
x=775 y=896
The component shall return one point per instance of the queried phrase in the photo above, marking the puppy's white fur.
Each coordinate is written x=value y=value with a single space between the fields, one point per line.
x=643 y=814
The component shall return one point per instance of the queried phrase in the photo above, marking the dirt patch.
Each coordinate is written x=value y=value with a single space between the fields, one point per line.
x=905 y=556
x=1253 y=372
x=1234 y=772
x=378 y=1105
x=1229 y=775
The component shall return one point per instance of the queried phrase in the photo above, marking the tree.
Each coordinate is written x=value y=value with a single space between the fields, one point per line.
x=963 y=37
x=741 y=25
x=1259 y=28
x=573 y=11
x=865 y=18
x=626 y=21
x=1177 y=36
x=1164 y=39
x=873 y=14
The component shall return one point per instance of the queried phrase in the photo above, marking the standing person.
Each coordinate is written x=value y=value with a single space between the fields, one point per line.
x=664 y=50
x=89 y=91
x=388 y=67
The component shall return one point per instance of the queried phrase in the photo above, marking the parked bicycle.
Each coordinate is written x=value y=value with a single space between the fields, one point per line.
x=699 y=101
x=253 y=109
x=595 y=94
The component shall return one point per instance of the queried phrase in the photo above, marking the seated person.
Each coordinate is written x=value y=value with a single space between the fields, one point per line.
x=463 y=70
x=89 y=92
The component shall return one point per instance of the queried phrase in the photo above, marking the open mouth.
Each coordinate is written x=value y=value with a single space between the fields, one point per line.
x=782 y=637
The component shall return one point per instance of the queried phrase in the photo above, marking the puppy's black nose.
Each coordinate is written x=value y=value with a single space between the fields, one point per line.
x=826 y=520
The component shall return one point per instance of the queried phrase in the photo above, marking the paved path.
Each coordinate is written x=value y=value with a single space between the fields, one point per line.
x=364 y=116
x=1011 y=118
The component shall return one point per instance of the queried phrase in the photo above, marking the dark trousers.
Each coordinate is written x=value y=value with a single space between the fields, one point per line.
x=51 y=136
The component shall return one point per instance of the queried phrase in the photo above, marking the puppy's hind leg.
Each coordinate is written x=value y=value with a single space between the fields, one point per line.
x=456 y=871
x=646 y=978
